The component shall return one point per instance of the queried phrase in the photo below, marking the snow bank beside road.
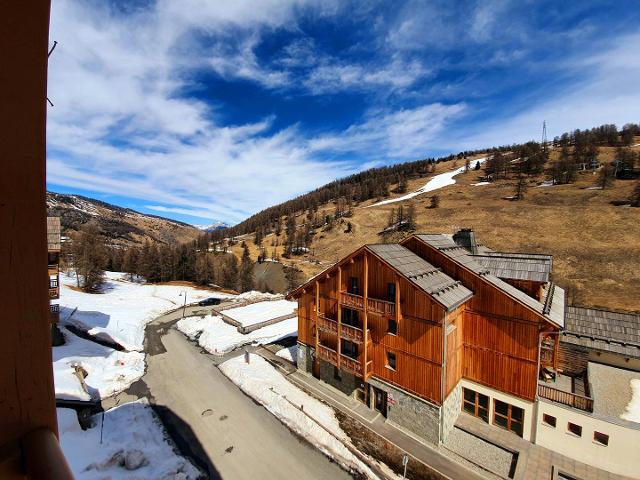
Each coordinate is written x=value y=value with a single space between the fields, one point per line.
x=435 y=183
x=216 y=336
x=134 y=446
x=263 y=383
x=108 y=371
x=122 y=311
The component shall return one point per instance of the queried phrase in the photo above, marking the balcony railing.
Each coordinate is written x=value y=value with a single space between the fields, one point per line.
x=327 y=324
x=381 y=307
x=348 y=332
x=353 y=334
x=566 y=398
x=350 y=365
x=325 y=353
x=352 y=301
x=54 y=293
x=346 y=363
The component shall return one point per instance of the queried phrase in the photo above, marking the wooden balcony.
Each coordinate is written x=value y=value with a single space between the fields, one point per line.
x=54 y=293
x=327 y=324
x=53 y=270
x=381 y=307
x=350 y=300
x=352 y=334
x=546 y=356
x=346 y=363
x=348 y=332
x=326 y=353
x=350 y=365
x=566 y=398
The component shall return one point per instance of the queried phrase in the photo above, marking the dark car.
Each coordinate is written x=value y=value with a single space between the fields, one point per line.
x=209 y=301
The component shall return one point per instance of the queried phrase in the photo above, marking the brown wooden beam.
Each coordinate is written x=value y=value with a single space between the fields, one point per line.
x=365 y=322
x=339 y=349
x=27 y=396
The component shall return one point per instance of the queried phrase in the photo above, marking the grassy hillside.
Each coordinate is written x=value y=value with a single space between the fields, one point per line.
x=595 y=244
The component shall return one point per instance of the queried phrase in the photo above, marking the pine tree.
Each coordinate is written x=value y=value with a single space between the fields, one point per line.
x=435 y=201
x=292 y=275
x=246 y=271
x=521 y=188
x=89 y=257
x=130 y=262
x=411 y=218
x=605 y=178
x=230 y=273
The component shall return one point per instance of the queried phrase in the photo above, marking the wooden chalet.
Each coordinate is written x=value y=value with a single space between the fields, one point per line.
x=53 y=267
x=423 y=329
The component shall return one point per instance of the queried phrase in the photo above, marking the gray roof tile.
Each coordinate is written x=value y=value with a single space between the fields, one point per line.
x=444 y=289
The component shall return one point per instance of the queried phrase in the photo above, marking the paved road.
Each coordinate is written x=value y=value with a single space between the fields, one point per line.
x=233 y=437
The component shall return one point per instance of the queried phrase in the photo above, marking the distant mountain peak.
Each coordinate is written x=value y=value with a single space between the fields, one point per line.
x=213 y=227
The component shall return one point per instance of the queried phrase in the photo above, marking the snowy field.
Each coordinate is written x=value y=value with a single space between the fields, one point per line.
x=121 y=312
x=107 y=371
x=134 y=446
x=306 y=416
x=261 y=312
x=437 y=182
x=216 y=336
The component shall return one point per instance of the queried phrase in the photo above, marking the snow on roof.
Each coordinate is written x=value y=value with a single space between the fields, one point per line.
x=261 y=311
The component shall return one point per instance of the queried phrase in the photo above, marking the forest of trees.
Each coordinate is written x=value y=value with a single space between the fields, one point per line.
x=89 y=257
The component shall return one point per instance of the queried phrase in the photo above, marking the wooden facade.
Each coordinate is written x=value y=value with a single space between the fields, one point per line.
x=491 y=338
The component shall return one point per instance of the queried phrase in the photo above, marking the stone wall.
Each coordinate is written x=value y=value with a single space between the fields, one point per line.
x=305 y=358
x=343 y=381
x=410 y=412
x=451 y=410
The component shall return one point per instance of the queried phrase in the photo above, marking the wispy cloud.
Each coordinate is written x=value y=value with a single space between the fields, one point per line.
x=382 y=84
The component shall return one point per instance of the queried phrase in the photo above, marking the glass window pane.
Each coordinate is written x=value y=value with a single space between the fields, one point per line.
x=500 y=421
x=517 y=413
x=469 y=395
x=516 y=428
x=483 y=400
x=502 y=408
x=469 y=408
x=483 y=414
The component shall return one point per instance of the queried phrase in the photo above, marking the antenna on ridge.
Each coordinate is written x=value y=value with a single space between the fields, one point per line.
x=544 y=136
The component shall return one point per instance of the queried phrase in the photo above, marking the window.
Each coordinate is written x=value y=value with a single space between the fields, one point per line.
x=475 y=403
x=392 y=327
x=508 y=417
x=574 y=429
x=53 y=283
x=350 y=317
x=391 y=360
x=601 y=438
x=549 y=420
x=353 y=285
x=349 y=349
x=391 y=292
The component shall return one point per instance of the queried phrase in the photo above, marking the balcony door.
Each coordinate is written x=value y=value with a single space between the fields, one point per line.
x=353 y=287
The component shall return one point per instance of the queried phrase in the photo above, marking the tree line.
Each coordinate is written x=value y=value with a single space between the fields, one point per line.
x=88 y=256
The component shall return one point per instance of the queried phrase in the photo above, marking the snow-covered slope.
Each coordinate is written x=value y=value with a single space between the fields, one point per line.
x=437 y=182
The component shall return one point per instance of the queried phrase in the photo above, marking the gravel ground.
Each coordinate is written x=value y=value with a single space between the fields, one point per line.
x=478 y=451
x=610 y=388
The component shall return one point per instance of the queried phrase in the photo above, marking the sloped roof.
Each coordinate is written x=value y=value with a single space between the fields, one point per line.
x=615 y=332
x=53 y=233
x=444 y=289
x=517 y=266
x=447 y=246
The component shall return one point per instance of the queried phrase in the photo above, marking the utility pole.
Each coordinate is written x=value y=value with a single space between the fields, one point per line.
x=184 y=305
x=544 y=136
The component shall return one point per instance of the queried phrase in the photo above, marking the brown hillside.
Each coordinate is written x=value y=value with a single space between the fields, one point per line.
x=595 y=244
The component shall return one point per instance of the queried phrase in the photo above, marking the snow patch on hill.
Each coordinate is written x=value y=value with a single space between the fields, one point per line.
x=435 y=183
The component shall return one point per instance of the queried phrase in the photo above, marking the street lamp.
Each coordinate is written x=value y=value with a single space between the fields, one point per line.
x=184 y=305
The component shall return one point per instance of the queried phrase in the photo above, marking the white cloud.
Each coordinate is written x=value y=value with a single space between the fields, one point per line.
x=405 y=133
x=606 y=92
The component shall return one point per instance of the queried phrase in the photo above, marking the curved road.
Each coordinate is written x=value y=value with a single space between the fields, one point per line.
x=210 y=418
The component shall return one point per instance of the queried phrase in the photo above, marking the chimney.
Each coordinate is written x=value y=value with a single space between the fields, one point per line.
x=466 y=238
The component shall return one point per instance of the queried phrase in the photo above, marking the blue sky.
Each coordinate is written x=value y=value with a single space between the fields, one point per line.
x=205 y=110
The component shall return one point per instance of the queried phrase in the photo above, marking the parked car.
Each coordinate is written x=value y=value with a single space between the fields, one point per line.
x=209 y=301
